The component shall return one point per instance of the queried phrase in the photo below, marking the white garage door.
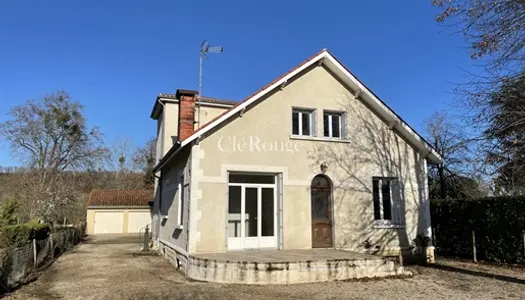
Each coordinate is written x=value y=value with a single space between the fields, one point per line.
x=138 y=220
x=108 y=221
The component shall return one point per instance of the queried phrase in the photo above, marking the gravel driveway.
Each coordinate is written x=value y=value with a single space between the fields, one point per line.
x=104 y=268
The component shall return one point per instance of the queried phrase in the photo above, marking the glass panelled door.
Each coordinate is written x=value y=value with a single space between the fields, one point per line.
x=252 y=215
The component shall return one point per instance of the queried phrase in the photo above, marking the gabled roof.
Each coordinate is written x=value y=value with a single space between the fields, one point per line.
x=339 y=70
x=119 y=198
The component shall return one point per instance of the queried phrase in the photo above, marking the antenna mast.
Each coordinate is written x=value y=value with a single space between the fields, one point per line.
x=205 y=49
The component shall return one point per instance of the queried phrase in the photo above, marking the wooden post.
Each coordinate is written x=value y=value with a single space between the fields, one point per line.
x=474 y=246
x=51 y=246
x=34 y=254
x=434 y=237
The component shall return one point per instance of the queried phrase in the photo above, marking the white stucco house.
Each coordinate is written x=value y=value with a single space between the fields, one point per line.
x=313 y=160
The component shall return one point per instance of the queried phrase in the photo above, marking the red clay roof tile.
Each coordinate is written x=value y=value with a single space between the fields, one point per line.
x=119 y=198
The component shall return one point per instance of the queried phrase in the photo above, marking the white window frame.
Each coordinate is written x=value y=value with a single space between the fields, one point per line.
x=244 y=242
x=396 y=208
x=180 y=214
x=331 y=114
x=300 y=112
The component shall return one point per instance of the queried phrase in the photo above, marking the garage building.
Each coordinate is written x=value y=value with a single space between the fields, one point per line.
x=118 y=211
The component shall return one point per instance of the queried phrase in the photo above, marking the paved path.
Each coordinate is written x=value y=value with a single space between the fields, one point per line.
x=104 y=268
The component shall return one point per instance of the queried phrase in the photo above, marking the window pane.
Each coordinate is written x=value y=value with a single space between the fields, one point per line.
x=295 y=122
x=321 y=182
x=234 y=211
x=320 y=204
x=336 y=120
x=306 y=123
x=251 y=178
x=250 y=212
x=326 y=123
x=387 y=204
x=268 y=212
x=377 y=207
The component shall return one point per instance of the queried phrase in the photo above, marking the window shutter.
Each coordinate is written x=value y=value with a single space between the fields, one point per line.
x=314 y=123
x=344 y=126
x=376 y=200
x=396 y=199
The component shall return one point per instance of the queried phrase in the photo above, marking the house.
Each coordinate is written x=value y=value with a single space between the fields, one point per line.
x=314 y=160
x=118 y=211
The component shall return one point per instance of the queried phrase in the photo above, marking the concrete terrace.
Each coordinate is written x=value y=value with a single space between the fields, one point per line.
x=288 y=266
x=275 y=256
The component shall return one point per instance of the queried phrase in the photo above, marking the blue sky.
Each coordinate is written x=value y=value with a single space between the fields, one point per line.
x=116 y=56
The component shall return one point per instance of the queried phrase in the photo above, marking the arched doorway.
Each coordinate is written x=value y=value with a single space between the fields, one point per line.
x=321 y=197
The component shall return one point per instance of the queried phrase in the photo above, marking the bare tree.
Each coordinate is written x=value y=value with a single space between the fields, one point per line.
x=458 y=175
x=121 y=155
x=144 y=160
x=52 y=137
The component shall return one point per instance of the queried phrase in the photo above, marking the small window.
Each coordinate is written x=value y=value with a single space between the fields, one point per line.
x=180 y=202
x=386 y=198
x=332 y=124
x=302 y=122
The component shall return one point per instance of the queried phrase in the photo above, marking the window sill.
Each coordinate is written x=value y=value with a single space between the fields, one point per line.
x=387 y=226
x=179 y=227
x=318 y=139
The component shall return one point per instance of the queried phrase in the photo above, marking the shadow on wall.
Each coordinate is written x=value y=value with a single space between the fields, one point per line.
x=374 y=149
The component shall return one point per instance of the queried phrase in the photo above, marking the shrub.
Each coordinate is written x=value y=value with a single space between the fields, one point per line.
x=19 y=235
x=499 y=223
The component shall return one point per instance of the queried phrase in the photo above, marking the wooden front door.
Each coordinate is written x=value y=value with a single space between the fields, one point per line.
x=321 y=197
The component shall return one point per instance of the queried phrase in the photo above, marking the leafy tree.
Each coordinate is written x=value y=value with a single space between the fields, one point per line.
x=495 y=35
x=506 y=135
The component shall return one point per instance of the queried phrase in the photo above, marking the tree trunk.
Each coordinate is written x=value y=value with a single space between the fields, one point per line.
x=441 y=182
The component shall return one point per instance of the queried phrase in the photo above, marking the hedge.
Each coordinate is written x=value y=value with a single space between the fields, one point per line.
x=22 y=234
x=498 y=222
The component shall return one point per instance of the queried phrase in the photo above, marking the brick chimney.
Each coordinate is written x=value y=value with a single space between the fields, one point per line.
x=186 y=112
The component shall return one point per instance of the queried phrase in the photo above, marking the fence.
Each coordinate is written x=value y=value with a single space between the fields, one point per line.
x=489 y=229
x=19 y=265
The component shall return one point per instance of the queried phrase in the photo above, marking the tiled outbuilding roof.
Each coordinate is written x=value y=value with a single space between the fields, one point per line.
x=120 y=198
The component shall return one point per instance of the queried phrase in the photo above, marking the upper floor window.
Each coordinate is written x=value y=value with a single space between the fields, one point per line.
x=302 y=121
x=333 y=124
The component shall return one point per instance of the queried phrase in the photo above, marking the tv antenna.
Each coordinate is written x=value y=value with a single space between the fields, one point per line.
x=205 y=49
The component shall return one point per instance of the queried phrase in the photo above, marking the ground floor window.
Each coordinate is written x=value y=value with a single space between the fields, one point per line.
x=387 y=201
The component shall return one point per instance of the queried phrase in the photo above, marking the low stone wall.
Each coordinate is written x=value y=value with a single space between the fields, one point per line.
x=407 y=256
x=290 y=272
x=175 y=258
